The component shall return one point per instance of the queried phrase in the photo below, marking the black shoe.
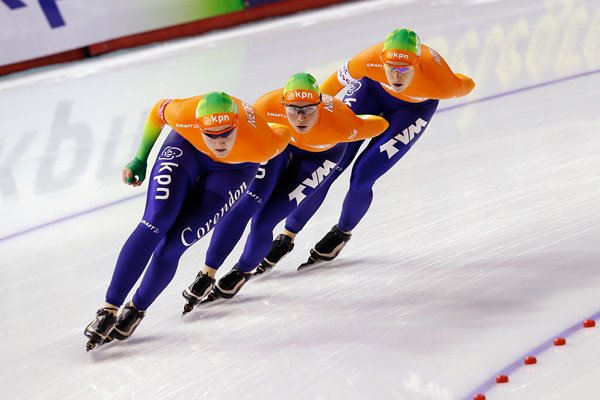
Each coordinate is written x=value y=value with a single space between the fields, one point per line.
x=229 y=285
x=99 y=329
x=199 y=289
x=281 y=246
x=330 y=246
x=129 y=319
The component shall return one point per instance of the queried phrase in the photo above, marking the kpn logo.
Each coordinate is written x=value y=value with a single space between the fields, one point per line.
x=299 y=95
x=215 y=119
x=399 y=56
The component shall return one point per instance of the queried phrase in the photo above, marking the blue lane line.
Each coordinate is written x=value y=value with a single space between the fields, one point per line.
x=69 y=217
x=454 y=107
x=536 y=351
x=519 y=90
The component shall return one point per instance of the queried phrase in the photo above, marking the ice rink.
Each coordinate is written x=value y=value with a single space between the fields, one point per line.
x=482 y=245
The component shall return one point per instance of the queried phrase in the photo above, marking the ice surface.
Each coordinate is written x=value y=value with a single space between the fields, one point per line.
x=481 y=245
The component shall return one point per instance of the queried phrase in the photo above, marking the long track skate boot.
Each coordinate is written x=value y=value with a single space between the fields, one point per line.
x=329 y=247
x=230 y=284
x=198 y=290
x=127 y=322
x=99 y=329
x=282 y=245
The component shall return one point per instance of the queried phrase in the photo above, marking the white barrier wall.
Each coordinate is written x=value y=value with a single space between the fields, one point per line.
x=31 y=29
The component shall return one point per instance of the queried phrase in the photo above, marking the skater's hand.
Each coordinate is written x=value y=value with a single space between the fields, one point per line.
x=134 y=173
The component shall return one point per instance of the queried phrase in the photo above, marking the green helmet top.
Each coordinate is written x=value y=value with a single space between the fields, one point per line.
x=216 y=109
x=301 y=86
x=402 y=45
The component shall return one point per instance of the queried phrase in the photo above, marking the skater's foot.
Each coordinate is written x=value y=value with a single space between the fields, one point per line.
x=127 y=322
x=199 y=289
x=331 y=245
x=282 y=245
x=99 y=329
x=229 y=285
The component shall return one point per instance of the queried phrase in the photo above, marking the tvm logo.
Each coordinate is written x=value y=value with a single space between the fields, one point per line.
x=49 y=8
x=405 y=137
x=315 y=179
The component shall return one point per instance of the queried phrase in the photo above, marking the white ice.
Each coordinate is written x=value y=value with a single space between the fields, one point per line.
x=481 y=245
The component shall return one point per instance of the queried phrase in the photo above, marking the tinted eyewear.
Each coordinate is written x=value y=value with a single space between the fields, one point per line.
x=402 y=70
x=221 y=134
x=305 y=110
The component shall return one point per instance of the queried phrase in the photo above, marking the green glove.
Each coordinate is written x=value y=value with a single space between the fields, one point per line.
x=138 y=169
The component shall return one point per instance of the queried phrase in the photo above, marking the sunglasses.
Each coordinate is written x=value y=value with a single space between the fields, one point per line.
x=220 y=134
x=304 y=110
x=401 y=70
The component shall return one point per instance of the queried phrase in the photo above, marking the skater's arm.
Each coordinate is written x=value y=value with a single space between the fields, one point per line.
x=134 y=172
x=460 y=86
x=371 y=126
x=350 y=72
x=351 y=127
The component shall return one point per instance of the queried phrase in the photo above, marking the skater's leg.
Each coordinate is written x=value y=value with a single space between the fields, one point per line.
x=170 y=181
x=289 y=194
x=296 y=221
x=211 y=201
x=382 y=153
x=363 y=97
x=229 y=231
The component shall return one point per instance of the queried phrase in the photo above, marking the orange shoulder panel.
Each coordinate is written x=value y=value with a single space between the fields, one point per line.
x=270 y=108
x=255 y=141
x=433 y=77
x=349 y=127
x=337 y=123
x=435 y=80
x=352 y=71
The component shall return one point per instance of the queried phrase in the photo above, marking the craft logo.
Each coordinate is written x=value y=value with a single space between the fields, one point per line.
x=150 y=226
x=186 y=125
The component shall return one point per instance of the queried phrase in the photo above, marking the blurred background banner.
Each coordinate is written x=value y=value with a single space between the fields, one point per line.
x=45 y=32
x=254 y=3
x=31 y=29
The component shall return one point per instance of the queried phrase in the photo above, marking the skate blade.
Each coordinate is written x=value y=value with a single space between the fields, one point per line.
x=210 y=298
x=90 y=345
x=258 y=273
x=187 y=308
x=309 y=264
